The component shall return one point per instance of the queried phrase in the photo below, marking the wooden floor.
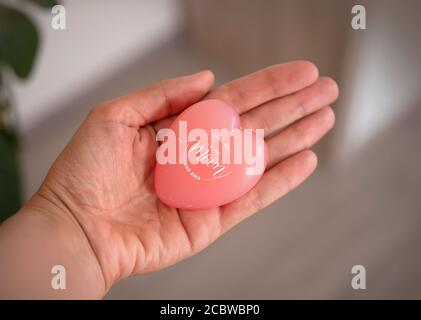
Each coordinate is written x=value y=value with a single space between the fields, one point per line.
x=303 y=246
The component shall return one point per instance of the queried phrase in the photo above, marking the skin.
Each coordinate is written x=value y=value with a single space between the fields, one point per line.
x=97 y=214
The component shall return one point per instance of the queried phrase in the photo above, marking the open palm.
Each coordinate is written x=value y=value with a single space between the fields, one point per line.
x=105 y=176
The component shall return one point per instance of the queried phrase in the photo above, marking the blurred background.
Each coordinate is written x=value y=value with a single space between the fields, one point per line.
x=361 y=207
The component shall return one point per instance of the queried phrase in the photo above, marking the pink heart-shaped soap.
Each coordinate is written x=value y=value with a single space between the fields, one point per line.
x=193 y=172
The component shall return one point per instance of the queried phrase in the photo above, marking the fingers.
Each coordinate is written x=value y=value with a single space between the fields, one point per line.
x=300 y=135
x=158 y=101
x=262 y=86
x=274 y=184
x=281 y=112
x=289 y=163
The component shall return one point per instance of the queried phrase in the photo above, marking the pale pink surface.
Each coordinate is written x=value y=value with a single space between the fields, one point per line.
x=176 y=188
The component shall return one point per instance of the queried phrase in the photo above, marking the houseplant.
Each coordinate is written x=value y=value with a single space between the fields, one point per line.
x=19 y=42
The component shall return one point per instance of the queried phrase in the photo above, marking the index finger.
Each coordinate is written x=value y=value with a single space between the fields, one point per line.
x=267 y=84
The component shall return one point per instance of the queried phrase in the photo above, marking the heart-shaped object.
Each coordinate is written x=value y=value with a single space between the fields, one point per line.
x=196 y=175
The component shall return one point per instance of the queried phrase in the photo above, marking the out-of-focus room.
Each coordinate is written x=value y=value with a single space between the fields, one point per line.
x=361 y=207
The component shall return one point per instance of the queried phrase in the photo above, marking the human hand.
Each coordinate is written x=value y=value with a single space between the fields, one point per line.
x=104 y=178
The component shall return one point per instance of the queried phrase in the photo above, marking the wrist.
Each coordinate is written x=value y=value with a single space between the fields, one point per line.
x=44 y=234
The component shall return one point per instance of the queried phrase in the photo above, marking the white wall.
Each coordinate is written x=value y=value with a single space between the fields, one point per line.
x=382 y=75
x=378 y=69
x=101 y=36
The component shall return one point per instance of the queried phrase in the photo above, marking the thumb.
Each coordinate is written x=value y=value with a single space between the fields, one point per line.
x=160 y=100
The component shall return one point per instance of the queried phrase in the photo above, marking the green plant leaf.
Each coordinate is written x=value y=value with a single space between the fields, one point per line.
x=18 y=41
x=44 y=3
x=10 y=197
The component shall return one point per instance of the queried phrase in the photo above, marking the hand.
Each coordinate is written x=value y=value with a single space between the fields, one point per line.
x=104 y=177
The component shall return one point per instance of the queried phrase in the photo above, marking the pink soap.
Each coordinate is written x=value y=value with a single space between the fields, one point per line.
x=198 y=167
